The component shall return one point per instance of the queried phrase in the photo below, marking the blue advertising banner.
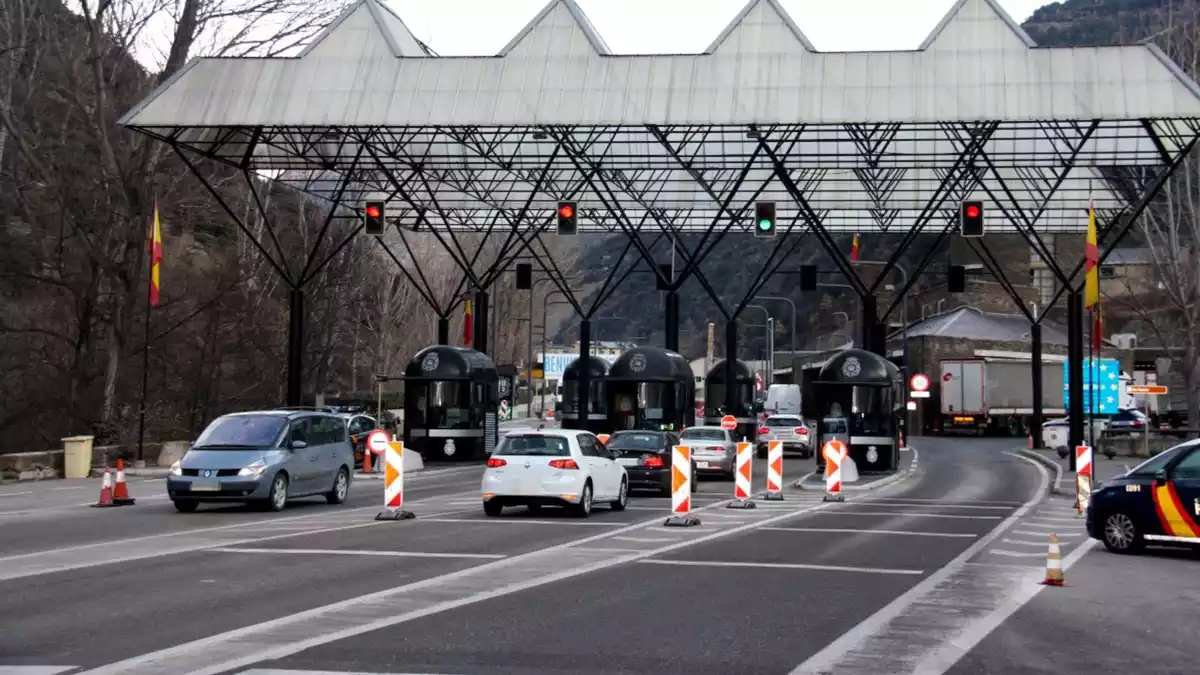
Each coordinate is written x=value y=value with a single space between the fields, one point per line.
x=553 y=364
x=1101 y=386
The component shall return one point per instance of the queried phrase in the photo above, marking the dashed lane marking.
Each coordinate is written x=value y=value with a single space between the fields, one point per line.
x=523 y=521
x=782 y=566
x=946 y=505
x=340 y=551
x=645 y=540
x=911 y=514
x=845 y=530
x=35 y=670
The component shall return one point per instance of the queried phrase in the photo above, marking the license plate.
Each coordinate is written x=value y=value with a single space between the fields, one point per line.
x=701 y=465
x=627 y=461
x=205 y=488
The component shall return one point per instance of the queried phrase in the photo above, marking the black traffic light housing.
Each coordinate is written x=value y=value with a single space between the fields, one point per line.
x=567 y=218
x=764 y=220
x=524 y=276
x=958 y=279
x=808 y=277
x=971 y=219
x=374 y=216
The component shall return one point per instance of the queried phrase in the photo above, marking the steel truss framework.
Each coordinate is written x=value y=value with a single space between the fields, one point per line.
x=654 y=181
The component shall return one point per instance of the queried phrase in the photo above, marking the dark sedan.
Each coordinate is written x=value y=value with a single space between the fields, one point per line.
x=646 y=456
x=1156 y=503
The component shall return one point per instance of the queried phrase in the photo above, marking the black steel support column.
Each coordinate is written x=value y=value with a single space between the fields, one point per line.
x=1035 y=362
x=295 y=347
x=1075 y=372
x=731 y=352
x=672 y=328
x=480 y=317
x=443 y=330
x=584 y=405
x=873 y=339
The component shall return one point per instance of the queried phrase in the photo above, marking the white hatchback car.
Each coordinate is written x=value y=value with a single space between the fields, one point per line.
x=553 y=467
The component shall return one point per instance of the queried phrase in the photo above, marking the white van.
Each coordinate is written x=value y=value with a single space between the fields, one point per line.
x=782 y=399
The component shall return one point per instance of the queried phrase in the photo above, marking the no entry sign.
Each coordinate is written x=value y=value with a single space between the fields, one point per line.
x=377 y=442
x=729 y=422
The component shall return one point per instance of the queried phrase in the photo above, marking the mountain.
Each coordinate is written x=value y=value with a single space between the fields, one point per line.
x=635 y=311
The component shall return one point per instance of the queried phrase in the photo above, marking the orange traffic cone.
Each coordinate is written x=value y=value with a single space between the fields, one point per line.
x=106 y=490
x=1029 y=443
x=902 y=440
x=120 y=495
x=367 y=460
x=1054 y=571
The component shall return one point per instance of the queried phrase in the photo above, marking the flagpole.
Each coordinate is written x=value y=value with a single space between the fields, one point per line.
x=1093 y=375
x=141 y=457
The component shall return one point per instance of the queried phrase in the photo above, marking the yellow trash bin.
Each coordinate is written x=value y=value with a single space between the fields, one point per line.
x=77 y=451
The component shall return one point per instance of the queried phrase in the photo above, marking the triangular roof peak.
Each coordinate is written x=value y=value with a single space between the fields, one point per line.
x=761 y=26
x=560 y=29
x=977 y=25
x=366 y=25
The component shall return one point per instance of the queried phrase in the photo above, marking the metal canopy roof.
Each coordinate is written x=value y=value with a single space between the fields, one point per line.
x=869 y=138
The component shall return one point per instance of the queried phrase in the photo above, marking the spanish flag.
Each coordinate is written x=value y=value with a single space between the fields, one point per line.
x=155 y=257
x=854 y=248
x=1091 y=290
x=468 y=323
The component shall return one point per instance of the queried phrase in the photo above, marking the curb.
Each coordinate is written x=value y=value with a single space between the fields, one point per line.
x=873 y=485
x=1047 y=462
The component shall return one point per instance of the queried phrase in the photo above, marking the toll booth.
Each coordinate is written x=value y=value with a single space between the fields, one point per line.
x=507 y=390
x=595 y=419
x=715 y=383
x=648 y=388
x=451 y=396
x=859 y=397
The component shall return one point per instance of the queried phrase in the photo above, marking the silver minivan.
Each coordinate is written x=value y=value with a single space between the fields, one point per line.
x=265 y=457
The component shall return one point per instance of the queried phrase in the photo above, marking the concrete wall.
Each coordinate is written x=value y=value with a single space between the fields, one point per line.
x=49 y=463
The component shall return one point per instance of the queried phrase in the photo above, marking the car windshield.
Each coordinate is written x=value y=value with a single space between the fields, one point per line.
x=635 y=441
x=533 y=445
x=702 y=435
x=784 y=422
x=239 y=431
x=1158 y=462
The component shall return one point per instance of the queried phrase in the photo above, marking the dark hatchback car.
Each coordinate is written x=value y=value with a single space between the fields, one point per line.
x=646 y=456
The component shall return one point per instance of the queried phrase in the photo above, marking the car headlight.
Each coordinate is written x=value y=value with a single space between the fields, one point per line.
x=176 y=469
x=254 y=469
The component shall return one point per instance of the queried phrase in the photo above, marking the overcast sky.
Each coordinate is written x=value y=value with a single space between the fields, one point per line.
x=478 y=27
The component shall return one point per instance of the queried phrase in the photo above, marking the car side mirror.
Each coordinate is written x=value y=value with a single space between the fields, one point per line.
x=1160 y=476
x=298 y=445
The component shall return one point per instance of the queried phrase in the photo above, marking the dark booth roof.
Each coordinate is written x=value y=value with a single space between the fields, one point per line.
x=445 y=362
x=650 y=364
x=857 y=366
x=597 y=367
x=741 y=373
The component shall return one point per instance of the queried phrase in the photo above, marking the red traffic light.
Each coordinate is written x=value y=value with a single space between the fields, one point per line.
x=972 y=211
x=566 y=211
x=374 y=211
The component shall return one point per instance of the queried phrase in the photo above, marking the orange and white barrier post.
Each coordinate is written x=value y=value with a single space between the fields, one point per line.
x=1054 y=570
x=774 y=471
x=603 y=438
x=120 y=495
x=834 y=452
x=742 y=483
x=393 y=484
x=1083 y=478
x=681 y=488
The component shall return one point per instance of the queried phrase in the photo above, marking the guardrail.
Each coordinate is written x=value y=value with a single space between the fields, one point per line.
x=1143 y=444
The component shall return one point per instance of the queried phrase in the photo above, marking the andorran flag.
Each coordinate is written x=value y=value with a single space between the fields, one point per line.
x=468 y=323
x=854 y=248
x=155 y=257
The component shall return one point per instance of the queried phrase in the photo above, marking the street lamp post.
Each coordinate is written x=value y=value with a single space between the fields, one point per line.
x=770 y=355
x=793 y=305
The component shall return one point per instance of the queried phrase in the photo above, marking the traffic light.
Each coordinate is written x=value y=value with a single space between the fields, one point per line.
x=567 y=214
x=524 y=276
x=958 y=279
x=808 y=277
x=764 y=220
x=971 y=219
x=374 y=213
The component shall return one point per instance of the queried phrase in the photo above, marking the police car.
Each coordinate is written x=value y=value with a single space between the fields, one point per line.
x=1157 y=503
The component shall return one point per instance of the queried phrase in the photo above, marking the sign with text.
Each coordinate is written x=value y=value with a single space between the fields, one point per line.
x=1151 y=389
x=1101 y=386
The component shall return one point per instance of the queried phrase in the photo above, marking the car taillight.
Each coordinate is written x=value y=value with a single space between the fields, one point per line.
x=652 y=461
x=564 y=464
x=801 y=431
x=762 y=431
x=495 y=463
x=1137 y=423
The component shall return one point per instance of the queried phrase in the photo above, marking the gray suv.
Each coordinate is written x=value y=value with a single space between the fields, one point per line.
x=266 y=457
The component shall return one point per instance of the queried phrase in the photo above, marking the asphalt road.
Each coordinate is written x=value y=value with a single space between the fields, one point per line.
x=878 y=584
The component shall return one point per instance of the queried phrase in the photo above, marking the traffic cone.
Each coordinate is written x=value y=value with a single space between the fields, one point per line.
x=1029 y=442
x=902 y=440
x=120 y=492
x=106 y=490
x=1054 y=571
x=367 y=460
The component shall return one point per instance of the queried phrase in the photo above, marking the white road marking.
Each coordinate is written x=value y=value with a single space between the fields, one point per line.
x=295 y=633
x=521 y=521
x=278 y=671
x=1047 y=519
x=1026 y=542
x=18 y=494
x=933 y=505
x=1017 y=554
x=1061 y=535
x=601 y=549
x=1042 y=526
x=912 y=514
x=663 y=509
x=68 y=489
x=645 y=540
x=844 y=530
x=928 y=500
x=945 y=606
x=338 y=551
x=35 y=670
x=781 y=566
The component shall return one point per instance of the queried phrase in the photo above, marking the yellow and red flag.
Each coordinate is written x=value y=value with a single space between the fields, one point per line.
x=854 y=248
x=155 y=257
x=468 y=323
x=1097 y=329
x=1091 y=257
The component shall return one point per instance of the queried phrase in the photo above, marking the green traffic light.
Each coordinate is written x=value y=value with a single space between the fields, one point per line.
x=764 y=224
